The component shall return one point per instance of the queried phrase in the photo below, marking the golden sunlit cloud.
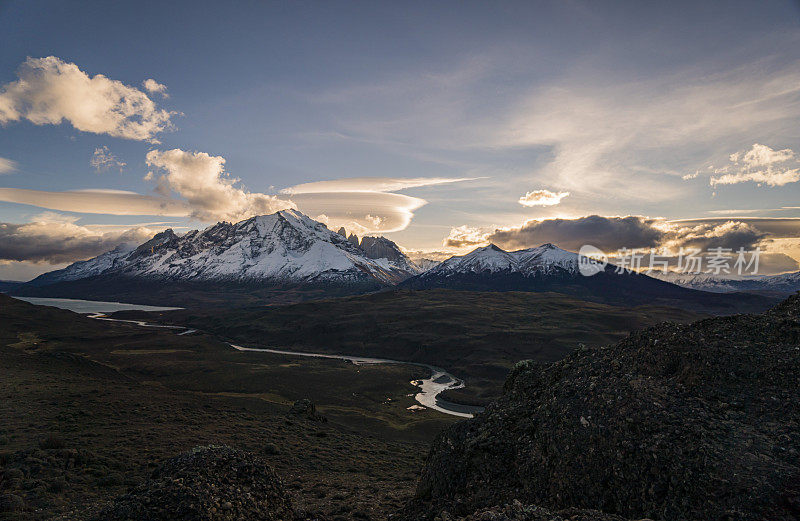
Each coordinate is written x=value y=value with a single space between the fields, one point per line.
x=50 y=90
x=542 y=198
x=202 y=181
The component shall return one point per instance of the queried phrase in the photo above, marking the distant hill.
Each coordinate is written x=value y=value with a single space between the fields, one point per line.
x=7 y=286
x=785 y=283
x=549 y=268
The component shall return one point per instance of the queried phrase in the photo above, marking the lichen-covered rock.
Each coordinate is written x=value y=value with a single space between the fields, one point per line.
x=676 y=422
x=209 y=484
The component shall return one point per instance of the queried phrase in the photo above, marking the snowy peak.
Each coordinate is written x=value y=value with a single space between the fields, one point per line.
x=489 y=258
x=492 y=259
x=284 y=247
x=546 y=257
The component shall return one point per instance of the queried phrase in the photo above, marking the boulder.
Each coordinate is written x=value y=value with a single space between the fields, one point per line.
x=207 y=483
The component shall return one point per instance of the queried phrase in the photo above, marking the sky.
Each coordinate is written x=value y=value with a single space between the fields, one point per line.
x=443 y=126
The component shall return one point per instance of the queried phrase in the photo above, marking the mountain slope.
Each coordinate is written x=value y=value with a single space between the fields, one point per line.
x=283 y=257
x=676 y=422
x=549 y=268
x=283 y=247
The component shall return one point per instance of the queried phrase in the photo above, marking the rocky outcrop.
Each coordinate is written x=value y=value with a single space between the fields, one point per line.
x=677 y=422
x=208 y=483
x=382 y=248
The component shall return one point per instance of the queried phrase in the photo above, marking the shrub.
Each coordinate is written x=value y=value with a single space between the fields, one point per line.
x=51 y=441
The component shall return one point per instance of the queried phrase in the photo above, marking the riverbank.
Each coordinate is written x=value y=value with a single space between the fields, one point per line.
x=430 y=388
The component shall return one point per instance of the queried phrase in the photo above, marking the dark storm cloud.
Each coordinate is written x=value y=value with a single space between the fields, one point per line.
x=632 y=232
x=606 y=233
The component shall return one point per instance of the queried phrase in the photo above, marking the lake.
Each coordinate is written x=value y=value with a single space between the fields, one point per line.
x=90 y=306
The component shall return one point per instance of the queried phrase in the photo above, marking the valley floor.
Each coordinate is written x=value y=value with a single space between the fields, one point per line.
x=89 y=408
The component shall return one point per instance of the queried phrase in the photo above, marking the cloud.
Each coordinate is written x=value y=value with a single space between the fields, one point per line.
x=370 y=184
x=209 y=191
x=212 y=197
x=50 y=91
x=761 y=164
x=542 y=198
x=587 y=132
x=466 y=236
x=612 y=233
x=103 y=160
x=54 y=239
x=364 y=204
x=431 y=255
x=704 y=236
x=196 y=184
x=153 y=87
x=775 y=227
x=25 y=270
x=602 y=137
x=607 y=233
x=7 y=166
x=361 y=212
x=762 y=155
x=768 y=177
x=109 y=202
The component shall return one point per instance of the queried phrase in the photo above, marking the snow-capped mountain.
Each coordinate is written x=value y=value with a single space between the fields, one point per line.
x=284 y=247
x=784 y=283
x=549 y=268
x=546 y=258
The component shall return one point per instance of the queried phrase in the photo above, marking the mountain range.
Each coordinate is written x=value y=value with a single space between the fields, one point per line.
x=287 y=256
x=550 y=268
x=286 y=246
x=785 y=283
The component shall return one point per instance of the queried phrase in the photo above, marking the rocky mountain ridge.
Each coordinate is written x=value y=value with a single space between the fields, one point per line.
x=283 y=247
x=548 y=268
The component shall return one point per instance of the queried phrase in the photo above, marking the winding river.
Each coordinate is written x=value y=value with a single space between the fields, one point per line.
x=429 y=388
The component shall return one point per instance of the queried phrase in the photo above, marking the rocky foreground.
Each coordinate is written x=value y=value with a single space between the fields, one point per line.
x=217 y=483
x=676 y=422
